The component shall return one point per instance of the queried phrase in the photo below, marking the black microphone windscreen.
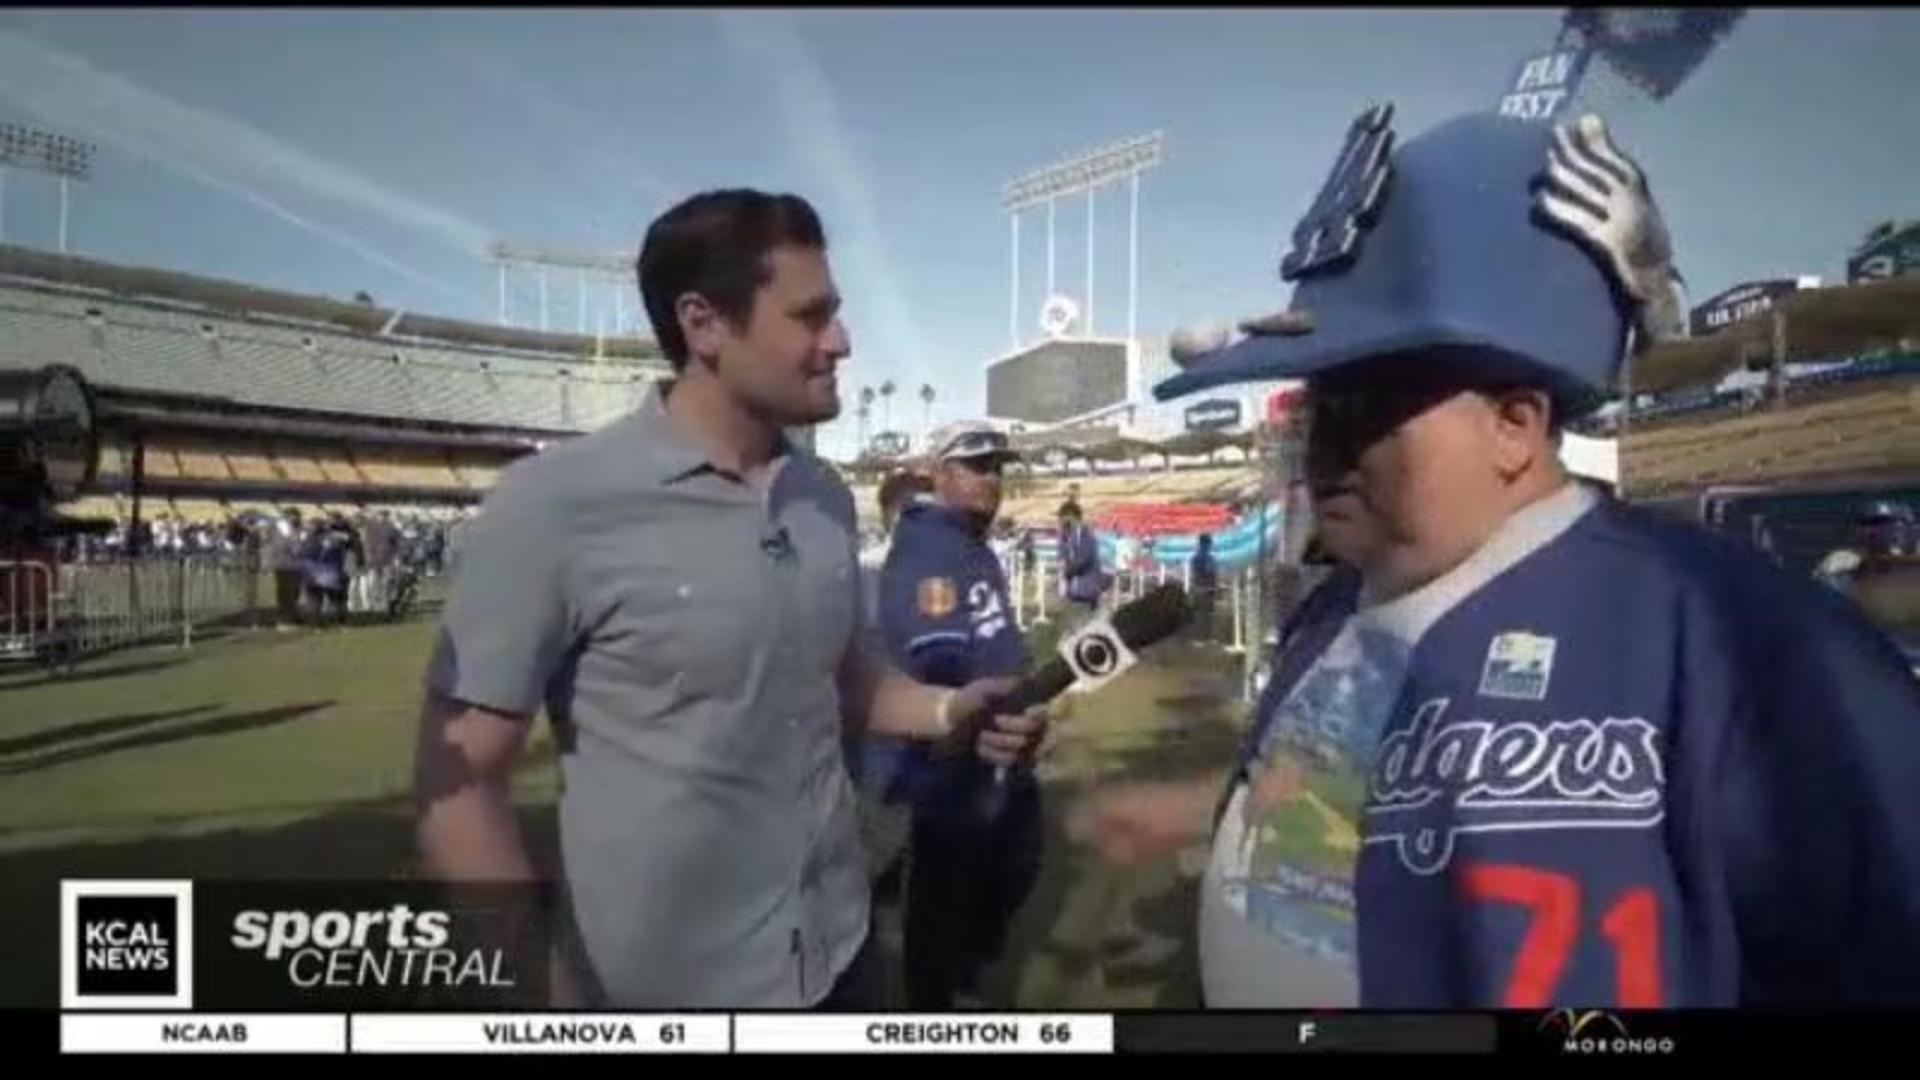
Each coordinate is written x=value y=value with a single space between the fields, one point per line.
x=1157 y=614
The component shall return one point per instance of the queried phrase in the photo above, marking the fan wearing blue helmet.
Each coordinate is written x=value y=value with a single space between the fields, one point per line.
x=1527 y=746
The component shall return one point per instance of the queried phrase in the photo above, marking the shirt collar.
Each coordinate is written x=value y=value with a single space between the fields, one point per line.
x=937 y=513
x=671 y=456
x=1526 y=532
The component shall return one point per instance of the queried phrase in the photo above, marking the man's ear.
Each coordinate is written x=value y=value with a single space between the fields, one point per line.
x=1522 y=430
x=700 y=323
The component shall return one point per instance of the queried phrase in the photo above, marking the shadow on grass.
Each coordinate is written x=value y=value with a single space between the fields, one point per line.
x=218 y=725
x=1095 y=926
x=92 y=728
x=370 y=841
x=1168 y=916
x=89 y=673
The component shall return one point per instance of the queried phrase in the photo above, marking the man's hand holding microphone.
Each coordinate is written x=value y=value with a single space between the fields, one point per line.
x=986 y=718
x=1094 y=655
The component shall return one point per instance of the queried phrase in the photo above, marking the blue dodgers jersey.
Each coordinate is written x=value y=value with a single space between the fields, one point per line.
x=1639 y=767
x=947 y=620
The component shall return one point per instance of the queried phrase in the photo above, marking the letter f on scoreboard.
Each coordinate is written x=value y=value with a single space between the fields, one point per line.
x=1307 y=1030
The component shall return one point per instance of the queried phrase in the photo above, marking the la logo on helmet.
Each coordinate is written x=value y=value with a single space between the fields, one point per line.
x=1329 y=236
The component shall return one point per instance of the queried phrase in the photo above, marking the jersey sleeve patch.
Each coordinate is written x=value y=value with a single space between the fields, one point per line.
x=936 y=597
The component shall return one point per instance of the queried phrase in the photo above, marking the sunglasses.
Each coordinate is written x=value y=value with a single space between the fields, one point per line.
x=979 y=444
x=982 y=466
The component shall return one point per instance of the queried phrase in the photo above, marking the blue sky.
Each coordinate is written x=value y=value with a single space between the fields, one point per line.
x=333 y=151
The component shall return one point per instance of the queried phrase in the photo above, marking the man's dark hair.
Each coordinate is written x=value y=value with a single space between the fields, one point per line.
x=716 y=244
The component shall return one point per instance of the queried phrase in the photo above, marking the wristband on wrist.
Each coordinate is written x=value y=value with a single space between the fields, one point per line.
x=943 y=713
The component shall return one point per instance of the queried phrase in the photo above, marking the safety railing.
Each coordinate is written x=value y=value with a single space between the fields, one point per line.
x=1038 y=596
x=28 y=617
x=78 y=609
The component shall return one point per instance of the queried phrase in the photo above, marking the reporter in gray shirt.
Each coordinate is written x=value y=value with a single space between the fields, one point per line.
x=681 y=592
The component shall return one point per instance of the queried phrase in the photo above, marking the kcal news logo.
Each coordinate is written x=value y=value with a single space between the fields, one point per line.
x=126 y=944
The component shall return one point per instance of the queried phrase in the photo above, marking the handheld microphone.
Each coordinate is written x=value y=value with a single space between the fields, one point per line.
x=1101 y=650
x=778 y=546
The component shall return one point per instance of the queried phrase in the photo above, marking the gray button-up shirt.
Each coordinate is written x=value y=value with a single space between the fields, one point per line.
x=684 y=629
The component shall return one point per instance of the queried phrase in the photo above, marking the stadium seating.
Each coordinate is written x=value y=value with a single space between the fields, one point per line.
x=94 y=506
x=201 y=461
x=409 y=467
x=1153 y=519
x=475 y=476
x=252 y=462
x=200 y=510
x=152 y=347
x=1037 y=498
x=114 y=458
x=337 y=465
x=174 y=457
x=1866 y=427
x=297 y=463
x=162 y=463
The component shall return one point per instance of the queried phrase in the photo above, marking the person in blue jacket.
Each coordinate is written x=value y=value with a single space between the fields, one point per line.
x=1203 y=574
x=947 y=619
x=1082 y=580
x=1529 y=747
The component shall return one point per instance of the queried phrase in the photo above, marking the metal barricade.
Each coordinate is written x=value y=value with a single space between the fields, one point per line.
x=27 y=623
x=87 y=608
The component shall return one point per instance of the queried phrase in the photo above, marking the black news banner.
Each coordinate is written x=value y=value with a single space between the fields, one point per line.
x=414 y=967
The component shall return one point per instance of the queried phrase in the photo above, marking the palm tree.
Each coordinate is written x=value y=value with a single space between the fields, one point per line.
x=926 y=408
x=866 y=411
x=886 y=403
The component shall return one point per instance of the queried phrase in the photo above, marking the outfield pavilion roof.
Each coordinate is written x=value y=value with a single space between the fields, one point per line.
x=110 y=280
x=213 y=357
x=1821 y=324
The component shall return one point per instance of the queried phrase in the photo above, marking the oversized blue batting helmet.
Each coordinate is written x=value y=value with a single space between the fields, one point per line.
x=1532 y=252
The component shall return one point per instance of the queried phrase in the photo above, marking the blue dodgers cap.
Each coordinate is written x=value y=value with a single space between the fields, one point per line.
x=1532 y=251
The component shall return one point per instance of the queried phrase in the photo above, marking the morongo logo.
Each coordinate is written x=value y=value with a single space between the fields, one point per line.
x=1574 y=1022
x=1594 y=1031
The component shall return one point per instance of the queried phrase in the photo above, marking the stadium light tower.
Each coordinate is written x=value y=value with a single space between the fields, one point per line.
x=1087 y=173
x=47 y=152
x=613 y=271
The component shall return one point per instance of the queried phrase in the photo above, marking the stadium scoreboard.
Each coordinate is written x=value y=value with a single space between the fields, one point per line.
x=1058 y=380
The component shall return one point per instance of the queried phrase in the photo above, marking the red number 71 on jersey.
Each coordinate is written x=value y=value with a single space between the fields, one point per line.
x=1631 y=925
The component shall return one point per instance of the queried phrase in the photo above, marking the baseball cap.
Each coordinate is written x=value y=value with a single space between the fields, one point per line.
x=1883 y=510
x=1535 y=252
x=968 y=439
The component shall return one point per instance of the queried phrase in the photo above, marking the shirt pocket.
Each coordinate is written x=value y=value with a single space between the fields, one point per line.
x=699 y=636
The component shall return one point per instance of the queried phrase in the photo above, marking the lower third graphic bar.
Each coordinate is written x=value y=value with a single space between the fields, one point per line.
x=1304 y=1033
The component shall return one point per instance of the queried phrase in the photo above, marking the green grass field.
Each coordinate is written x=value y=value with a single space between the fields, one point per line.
x=264 y=755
